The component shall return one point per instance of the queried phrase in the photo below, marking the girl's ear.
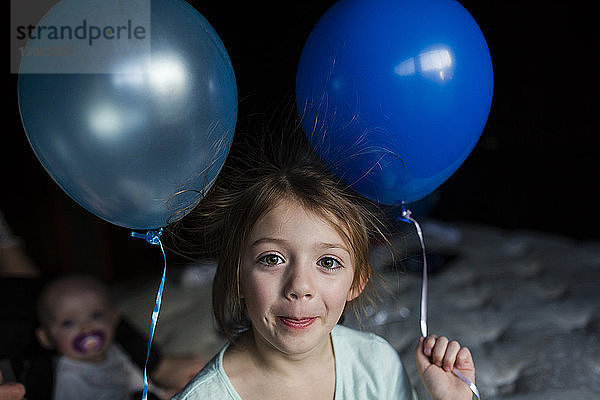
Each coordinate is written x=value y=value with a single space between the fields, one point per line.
x=42 y=336
x=356 y=290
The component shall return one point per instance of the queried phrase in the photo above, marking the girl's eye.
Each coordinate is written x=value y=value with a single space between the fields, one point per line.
x=329 y=263
x=271 y=259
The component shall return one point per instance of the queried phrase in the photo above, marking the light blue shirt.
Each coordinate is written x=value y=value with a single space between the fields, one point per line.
x=367 y=367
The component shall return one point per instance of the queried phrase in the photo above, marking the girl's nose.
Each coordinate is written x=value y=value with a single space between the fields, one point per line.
x=299 y=284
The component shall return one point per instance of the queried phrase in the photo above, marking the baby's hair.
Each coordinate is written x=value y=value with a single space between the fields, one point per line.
x=65 y=285
x=277 y=165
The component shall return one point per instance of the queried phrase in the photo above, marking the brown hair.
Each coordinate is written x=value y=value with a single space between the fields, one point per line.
x=257 y=176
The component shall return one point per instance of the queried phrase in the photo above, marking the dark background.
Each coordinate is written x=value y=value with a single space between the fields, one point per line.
x=535 y=166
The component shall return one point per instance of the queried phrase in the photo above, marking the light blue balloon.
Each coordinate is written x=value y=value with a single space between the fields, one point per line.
x=135 y=133
x=395 y=94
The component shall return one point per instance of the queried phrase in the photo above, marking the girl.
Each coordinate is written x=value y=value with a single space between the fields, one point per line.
x=293 y=248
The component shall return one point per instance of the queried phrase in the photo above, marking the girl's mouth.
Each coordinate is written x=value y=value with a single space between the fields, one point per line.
x=297 y=323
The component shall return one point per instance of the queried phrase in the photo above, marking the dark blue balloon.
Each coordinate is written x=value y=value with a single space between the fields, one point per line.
x=394 y=94
x=134 y=129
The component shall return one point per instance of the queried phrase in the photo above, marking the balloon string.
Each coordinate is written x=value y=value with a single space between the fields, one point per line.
x=406 y=217
x=153 y=237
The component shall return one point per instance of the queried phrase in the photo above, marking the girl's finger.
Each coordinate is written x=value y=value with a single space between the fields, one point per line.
x=428 y=344
x=439 y=350
x=423 y=361
x=450 y=355
x=464 y=358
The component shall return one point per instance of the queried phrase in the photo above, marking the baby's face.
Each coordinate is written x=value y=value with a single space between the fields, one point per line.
x=83 y=326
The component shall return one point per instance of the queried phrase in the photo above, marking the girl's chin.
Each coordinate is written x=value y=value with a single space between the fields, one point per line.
x=294 y=341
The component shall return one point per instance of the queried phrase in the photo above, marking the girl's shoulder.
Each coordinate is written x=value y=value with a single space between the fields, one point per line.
x=358 y=349
x=360 y=340
x=368 y=366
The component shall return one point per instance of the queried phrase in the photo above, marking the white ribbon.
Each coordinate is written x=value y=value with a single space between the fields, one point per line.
x=405 y=216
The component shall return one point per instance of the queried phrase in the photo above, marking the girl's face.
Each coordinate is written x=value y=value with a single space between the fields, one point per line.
x=296 y=277
x=83 y=326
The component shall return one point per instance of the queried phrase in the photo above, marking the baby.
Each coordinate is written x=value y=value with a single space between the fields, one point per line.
x=78 y=321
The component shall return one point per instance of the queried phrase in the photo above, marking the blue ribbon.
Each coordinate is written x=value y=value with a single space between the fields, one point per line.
x=153 y=237
x=405 y=217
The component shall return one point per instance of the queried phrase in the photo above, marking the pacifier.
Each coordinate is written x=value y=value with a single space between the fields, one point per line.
x=90 y=341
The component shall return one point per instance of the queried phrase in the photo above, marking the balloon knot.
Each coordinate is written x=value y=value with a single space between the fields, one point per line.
x=404 y=214
x=152 y=236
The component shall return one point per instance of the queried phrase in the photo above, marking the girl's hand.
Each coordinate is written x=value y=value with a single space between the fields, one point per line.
x=436 y=357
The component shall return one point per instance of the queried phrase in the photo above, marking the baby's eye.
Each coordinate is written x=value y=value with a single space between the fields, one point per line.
x=98 y=315
x=271 y=259
x=329 y=263
x=67 y=323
